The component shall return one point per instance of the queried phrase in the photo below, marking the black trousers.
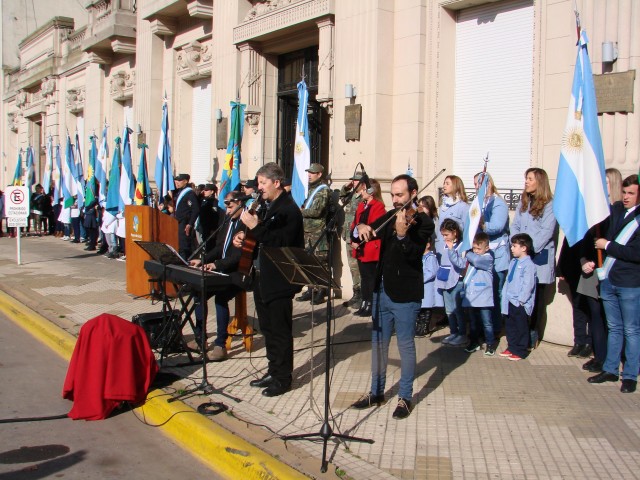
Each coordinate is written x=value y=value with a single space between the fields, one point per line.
x=275 y=320
x=367 y=279
x=185 y=246
x=517 y=326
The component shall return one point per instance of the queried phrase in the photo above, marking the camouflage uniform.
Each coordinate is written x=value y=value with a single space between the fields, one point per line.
x=349 y=215
x=315 y=218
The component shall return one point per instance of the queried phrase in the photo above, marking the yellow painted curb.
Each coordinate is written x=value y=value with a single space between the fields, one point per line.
x=225 y=453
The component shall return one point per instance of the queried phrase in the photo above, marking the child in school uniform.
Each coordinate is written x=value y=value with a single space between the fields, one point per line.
x=518 y=296
x=477 y=296
x=449 y=283
x=429 y=270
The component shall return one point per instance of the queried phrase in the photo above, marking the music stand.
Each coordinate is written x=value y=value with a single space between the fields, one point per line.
x=300 y=267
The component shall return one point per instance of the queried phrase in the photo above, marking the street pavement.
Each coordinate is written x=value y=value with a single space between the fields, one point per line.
x=474 y=416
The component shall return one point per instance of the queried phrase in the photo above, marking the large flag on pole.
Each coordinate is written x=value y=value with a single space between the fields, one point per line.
x=142 y=185
x=302 y=150
x=113 y=192
x=68 y=182
x=163 y=172
x=101 y=166
x=30 y=172
x=231 y=170
x=581 y=199
x=473 y=215
x=90 y=189
x=48 y=166
x=78 y=174
x=57 y=177
x=127 y=180
x=17 y=175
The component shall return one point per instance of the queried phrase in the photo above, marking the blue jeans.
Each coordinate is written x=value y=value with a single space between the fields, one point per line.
x=621 y=306
x=453 y=307
x=222 y=316
x=481 y=318
x=386 y=314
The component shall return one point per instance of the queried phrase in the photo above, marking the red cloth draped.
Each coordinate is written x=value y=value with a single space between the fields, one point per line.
x=112 y=362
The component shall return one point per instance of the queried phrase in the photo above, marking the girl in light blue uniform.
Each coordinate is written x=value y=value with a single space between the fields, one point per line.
x=454 y=206
x=534 y=216
x=430 y=298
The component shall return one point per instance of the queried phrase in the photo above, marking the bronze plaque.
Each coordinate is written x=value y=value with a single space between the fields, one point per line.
x=352 y=122
x=614 y=91
x=221 y=133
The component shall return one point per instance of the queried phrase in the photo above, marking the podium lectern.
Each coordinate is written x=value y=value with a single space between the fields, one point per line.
x=150 y=225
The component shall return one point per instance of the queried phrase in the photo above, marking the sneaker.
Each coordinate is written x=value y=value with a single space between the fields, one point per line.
x=82 y=239
x=459 y=341
x=446 y=340
x=218 y=354
x=123 y=258
x=474 y=347
x=66 y=237
x=514 y=358
x=490 y=351
x=368 y=400
x=403 y=410
x=505 y=353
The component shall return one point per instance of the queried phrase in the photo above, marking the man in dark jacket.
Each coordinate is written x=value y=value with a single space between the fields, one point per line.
x=210 y=214
x=397 y=294
x=187 y=209
x=273 y=294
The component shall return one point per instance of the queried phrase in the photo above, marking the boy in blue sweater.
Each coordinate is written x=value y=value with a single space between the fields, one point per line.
x=518 y=295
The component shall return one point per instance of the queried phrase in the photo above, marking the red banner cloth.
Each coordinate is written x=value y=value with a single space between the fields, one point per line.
x=112 y=362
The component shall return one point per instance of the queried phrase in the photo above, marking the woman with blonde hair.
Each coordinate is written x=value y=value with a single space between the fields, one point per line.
x=534 y=216
x=614 y=185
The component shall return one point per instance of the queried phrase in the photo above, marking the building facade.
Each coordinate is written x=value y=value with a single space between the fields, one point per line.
x=419 y=84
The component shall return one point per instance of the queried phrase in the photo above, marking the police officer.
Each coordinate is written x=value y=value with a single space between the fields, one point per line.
x=210 y=214
x=187 y=209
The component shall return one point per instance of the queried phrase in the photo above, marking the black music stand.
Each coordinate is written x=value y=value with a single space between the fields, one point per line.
x=300 y=267
x=165 y=255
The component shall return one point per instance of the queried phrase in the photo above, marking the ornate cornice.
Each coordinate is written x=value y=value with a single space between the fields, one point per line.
x=121 y=85
x=194 y=61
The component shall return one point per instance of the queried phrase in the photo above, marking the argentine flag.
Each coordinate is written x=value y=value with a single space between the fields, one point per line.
x=473 y=216
x=163 y=172
x=48 y=167
x=127 y=180
x=101 y=167
x=581 y=199
x=302 y=152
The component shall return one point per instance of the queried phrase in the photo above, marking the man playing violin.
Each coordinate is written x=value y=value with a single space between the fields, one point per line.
x=272 y=293
x=398 y=291
x=224 y=257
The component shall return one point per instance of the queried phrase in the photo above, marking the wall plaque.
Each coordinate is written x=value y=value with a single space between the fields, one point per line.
x=221 y=133
x=614 y=91
x=352 y=122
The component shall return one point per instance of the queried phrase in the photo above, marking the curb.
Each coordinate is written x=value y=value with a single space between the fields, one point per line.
x=223 y=452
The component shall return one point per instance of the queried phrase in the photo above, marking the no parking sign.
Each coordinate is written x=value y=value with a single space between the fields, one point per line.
x=16 y=203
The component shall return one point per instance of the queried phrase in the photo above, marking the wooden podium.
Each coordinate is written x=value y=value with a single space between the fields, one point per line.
x=150 y=225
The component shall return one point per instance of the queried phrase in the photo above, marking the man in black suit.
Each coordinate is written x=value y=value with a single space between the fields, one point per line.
x=187 y=209
x=620 y=288
x=397 y=294
x=224 y=258
x=272 y=293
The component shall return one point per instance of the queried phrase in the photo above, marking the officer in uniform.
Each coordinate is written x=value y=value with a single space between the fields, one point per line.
x=187 y=209
x=210 y=214
x=314 y=214
x=350 y=198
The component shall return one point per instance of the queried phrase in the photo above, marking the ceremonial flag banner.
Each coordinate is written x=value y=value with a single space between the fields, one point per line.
x=163 y=175
x=127 y=180
x=17 y=175
x=231 y=170
x=68 y=181
x=302 y=151
x=113 y=193
x=101 y=167
x=90 y=190
x=78 y=173
x=48 y=166
x=57 y=177
x=30 y=173
x=473 y=216
x=142 y=185
x=581 y=198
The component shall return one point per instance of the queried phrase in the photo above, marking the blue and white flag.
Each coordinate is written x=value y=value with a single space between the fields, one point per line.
x=30 y=172
x=101 y=167
x=302 y=150
x=48 y=166
x=112 y=203
x=163 y=174
x=68 y=182
x=78 y=174
x=57 y=177
x=474 y=215
x=127 y=180
x=581 y=199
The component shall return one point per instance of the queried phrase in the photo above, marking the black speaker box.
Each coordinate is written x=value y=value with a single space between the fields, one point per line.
x=161 y=330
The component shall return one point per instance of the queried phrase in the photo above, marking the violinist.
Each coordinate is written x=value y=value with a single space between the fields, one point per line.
x=224 y=257
x=398 y=292
x=367 y=254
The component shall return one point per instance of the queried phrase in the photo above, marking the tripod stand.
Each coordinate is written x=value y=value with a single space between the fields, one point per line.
x=300 y=267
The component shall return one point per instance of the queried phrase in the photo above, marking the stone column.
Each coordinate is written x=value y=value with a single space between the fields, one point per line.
x=326 y=28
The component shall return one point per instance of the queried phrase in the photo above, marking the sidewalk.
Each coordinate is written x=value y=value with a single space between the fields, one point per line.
x=473 y=417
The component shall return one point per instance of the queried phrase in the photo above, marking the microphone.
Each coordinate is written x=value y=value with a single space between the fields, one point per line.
x=364 y=178
x=244 y=198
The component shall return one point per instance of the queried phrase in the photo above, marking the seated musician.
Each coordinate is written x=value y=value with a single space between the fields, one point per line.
x=224 y=257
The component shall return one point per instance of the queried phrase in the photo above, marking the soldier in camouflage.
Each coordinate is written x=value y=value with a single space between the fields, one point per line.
x=314 y=215
x=350 y=199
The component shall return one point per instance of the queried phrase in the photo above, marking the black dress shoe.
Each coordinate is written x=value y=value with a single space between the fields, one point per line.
x=276 y=388
x=575 y=350
x=305 y=297
x=368 y=400
x=262 y=382
x=586 y=351
x=603 y=377
x=628 y=386
x=593 y=366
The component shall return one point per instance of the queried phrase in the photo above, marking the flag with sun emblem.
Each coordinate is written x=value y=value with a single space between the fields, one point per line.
x=302 y=152
x=473 y=216
x=90 y=186
x=231 y=169
x=581 y=200
x=57 y=177
x=17 y=175
x=48 y=166
x=142 y=185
